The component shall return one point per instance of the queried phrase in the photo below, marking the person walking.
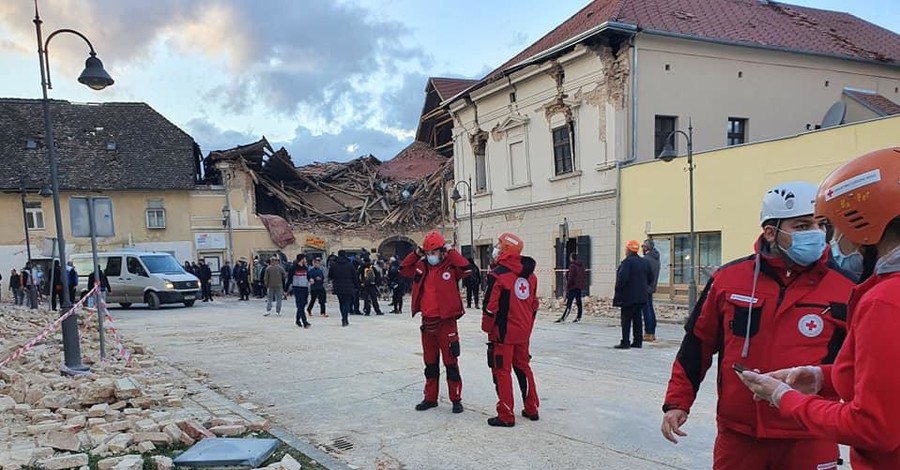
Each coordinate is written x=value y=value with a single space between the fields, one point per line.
x=274 y=280
x=370 y=280
x=28 y=285
x=258 y=269
x=104 y=281
x=225 y=275
x=298 y=283
x=316 y=277
x=15 y=287
x=473 y=285
x=343 y=277
x=203 y=273
x=242 y=278
x=863 y=378
x=784 y=305
x=73 y=281
x=436 y=269
x=397 y=285
x=510 y=308
x=576 y=282
x=651 y=254
x=633 y=279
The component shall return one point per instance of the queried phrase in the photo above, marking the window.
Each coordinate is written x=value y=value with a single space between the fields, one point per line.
x=135 y=267
x=563 y=149
x=518 y=164
x=481 y=167
x=34 y=215
x=675 y=253
x=114 y=266
x=156 y=214
x=737 y=131
x=664 y=127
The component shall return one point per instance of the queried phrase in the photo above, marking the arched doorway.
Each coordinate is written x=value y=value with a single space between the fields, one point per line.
x=397 y=246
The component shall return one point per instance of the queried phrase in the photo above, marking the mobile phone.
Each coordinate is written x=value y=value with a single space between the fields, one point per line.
x=738 y=368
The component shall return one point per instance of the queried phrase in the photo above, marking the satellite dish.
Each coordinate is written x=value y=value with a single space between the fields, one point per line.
x=835 y=115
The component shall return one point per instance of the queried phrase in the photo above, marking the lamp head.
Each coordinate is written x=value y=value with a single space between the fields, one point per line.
x=456 y=196
x=94 y=76
x=46 y=191
x=668 y=153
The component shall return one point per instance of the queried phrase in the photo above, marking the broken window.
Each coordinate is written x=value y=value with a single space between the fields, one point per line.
x=665 y=125
x=481 y=167
x=563 y=149
x=737 y=131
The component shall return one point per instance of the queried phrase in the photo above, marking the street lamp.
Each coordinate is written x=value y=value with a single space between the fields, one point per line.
x=667 y=155
x=456 y=197
x=95 y=77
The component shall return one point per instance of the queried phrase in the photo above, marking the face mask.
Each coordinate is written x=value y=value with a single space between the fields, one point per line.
x=496 y=253
x=806 y=246
x=852 y=263
x=433 y=259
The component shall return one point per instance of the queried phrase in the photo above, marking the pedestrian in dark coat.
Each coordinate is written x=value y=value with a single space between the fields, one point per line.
x=397 y=284
x=104 y=281
x=316 y=276
x=651 y=254
x=576 y=282
x=473 y=284
x=203 y=273
x=370 y=278
x=633 y=280
x=225 y=276
x=241 y=276
x=343 y=279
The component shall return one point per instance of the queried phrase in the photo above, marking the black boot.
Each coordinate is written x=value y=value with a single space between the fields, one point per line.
x=457 y=406
x=424 y=405
x=622 y=345
x=533 y=417
x=498 y=423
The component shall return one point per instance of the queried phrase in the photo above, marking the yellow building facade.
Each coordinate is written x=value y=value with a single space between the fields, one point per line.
x=728 y=189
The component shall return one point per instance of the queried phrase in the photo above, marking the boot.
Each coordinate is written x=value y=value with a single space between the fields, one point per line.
x=497 y=422
x=647 y=337
x=457 y=406
x=424 y=405
x=651 y=338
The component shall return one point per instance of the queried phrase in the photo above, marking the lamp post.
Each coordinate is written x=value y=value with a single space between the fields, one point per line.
x=456 y=197
x=95 y=77
x=667 y=155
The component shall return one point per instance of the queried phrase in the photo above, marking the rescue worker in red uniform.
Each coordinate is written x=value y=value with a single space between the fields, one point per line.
x=784 y=305
x=508 y=319
x=861 y=199
x=436 y=270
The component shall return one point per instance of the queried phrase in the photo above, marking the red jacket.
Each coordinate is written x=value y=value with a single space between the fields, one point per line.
x=798 y=317
x=865 y=377
x=510 y=300
x=435 y=290
x=575 y=277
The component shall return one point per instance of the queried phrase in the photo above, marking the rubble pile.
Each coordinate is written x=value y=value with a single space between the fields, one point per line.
x=603 y=307
x=360 y=195
x=124 y=415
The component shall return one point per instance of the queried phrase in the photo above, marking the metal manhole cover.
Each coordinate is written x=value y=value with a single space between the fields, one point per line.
x=339 y=445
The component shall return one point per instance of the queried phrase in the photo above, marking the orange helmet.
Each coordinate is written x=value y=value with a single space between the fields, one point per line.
x=510 y=243
x=863 y=196
x=433 y=240
x=633 y=245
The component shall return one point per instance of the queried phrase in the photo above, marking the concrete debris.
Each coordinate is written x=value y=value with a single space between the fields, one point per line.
x=59 y=422
x=603 y=307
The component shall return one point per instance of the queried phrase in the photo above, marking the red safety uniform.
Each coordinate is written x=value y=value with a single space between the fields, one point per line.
x=435 y=293
x=866 y=379
x=797 y=317
x=508 y=319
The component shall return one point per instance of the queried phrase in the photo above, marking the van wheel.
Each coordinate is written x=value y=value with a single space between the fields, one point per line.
x=125 y=304
x=189 y=303
x=152 y=300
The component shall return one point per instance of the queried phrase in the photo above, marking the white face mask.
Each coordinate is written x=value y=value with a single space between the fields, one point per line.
x=496 y=253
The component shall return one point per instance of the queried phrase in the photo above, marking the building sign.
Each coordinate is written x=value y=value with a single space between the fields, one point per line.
x=314 y=242
x=209 y=241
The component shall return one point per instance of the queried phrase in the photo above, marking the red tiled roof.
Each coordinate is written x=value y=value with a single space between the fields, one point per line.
x=449 y=87
x=416 y=161
x=752 y=22
x=877 y=103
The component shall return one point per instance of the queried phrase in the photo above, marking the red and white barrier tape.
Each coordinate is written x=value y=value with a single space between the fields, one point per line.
x=45 y=333
x=109 y=325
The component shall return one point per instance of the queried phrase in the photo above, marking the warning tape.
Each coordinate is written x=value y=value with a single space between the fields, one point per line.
x=118 y=343
x=45 y=333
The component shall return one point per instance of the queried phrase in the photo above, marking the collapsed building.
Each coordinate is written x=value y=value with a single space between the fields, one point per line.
x=371 y=199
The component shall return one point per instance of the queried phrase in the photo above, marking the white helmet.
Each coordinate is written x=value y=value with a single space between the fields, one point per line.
x=788 y=200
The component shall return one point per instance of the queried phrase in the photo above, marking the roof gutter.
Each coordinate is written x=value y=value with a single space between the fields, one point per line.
x=724 y=42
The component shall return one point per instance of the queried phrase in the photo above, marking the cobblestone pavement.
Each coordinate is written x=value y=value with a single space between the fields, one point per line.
x=351 y=390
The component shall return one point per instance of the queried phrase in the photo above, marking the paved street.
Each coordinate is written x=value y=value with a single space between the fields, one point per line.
x=600 y=408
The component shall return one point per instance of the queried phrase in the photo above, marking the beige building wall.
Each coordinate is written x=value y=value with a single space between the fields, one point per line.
x=781 y=93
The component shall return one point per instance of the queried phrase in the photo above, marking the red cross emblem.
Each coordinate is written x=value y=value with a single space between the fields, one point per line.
x=811 y=325
x=830 y=193
x=522 y=288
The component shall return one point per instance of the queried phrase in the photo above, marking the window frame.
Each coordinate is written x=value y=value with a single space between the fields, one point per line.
x=161 y=212
x=482 y=184
x=731 y=134
x=32 y=214
x=559 y=146
x=659 y=138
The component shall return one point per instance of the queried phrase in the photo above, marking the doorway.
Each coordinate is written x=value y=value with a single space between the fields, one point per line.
x=582 y=247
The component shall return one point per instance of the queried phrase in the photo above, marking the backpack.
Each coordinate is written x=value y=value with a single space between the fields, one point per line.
x=369 y=275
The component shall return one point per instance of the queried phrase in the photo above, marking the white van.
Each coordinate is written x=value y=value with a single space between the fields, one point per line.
x=135 y=277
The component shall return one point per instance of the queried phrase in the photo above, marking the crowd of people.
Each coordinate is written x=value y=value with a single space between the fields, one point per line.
x=28 y=285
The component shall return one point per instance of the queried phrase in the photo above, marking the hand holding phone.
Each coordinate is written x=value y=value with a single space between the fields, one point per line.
x=738 y=368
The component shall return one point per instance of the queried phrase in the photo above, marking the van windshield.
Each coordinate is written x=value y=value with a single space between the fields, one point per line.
x=162 y=264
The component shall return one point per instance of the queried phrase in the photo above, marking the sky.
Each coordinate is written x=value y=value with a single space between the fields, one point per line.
x=327 y=79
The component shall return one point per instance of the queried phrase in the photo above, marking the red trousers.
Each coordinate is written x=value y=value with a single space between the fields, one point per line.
x=440 y=340
x=736 y=451
x=503 y=359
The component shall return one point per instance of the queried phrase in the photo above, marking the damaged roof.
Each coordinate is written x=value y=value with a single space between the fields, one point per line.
x=876 y=103
x=363 y=194
x=102 y=146
x=449 y=87
x=759 y=23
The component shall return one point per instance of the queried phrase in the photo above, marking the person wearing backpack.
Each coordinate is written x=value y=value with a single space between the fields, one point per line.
x=370 y=279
